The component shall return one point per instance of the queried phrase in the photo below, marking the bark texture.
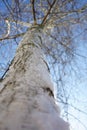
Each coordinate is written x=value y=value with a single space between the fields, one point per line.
x=26 y=93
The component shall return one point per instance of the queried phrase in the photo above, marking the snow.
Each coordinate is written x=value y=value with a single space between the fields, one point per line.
x=24 y=105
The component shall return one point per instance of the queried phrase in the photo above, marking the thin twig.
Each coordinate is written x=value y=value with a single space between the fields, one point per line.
x=9 y=8
x=78 y=120
x=45 y=17
x=48 y=2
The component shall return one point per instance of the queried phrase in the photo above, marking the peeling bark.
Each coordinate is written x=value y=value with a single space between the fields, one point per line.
x=26 y=93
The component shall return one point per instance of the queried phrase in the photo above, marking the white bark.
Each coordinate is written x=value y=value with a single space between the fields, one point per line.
x=26 y=95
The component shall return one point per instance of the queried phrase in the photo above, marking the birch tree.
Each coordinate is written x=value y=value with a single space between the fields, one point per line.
x=45 y=31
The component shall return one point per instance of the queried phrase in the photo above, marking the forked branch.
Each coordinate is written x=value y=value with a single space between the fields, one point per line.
x=45 y=17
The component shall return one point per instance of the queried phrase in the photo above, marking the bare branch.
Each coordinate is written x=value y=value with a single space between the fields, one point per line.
x=21 y=22
x=45 y=17
x=12 y=37
x=33 y=9
x=8 y=28
x=49 y=2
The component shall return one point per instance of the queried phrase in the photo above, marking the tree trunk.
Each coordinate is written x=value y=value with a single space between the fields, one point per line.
x=26 y=95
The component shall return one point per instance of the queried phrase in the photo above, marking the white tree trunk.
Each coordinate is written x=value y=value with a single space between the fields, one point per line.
x=26 y=93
